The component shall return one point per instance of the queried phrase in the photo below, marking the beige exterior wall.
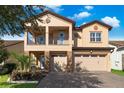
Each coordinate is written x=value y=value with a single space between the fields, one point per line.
x=48 y=48
x=54 y=22
x=83 y=39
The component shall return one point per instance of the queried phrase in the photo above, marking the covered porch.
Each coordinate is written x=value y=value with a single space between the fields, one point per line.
x=53 y=60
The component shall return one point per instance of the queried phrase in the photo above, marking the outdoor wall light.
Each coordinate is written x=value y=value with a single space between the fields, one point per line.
x=91 y=51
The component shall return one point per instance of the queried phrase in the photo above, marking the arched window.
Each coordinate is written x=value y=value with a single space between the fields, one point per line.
x=61 y=38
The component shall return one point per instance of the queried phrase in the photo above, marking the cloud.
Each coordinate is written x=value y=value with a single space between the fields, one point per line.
x=80 y=15
x=84 y=23
x=88 y=7
x=113 y=21
x=56 y=8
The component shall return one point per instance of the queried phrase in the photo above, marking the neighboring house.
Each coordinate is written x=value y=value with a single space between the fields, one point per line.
x=56 y=38
x=117 y=57
x=16 y=46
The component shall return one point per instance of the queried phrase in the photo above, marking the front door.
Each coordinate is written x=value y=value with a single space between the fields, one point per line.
x=42 y=62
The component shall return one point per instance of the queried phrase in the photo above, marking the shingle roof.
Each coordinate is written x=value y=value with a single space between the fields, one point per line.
x=117 y=43
x=93 y=48
x=14 y=46
x=8 y=43
x=69 y=20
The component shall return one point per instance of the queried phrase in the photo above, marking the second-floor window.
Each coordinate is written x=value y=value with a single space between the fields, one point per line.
x=30 y=38
x=40 y=39
x=61 y=38
x=95 y=37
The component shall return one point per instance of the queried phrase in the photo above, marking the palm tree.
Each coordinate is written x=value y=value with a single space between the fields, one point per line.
x=24 y=60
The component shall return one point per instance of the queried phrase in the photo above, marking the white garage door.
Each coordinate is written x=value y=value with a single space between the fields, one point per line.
x=60 y=63
x=91 y=62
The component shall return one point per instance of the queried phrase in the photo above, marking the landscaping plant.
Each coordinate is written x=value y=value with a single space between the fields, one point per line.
x=24 y=61
x=4 y=54
x=8 y=68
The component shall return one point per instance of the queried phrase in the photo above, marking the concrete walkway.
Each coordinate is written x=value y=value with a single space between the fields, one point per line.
x=81 y=80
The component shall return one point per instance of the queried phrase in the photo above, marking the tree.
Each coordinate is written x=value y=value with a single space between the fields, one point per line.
x=11 y=18
x=3 y=52
x=25 y=61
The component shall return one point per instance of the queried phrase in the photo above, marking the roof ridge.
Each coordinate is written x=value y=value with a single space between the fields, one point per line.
x=53 y=13
x=13 y=44
x=96 y=21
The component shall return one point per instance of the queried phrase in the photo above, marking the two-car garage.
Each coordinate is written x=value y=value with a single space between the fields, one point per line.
x=92 y=59
x=91 y=62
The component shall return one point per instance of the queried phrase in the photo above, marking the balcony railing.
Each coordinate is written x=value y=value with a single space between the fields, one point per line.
x=59 y=42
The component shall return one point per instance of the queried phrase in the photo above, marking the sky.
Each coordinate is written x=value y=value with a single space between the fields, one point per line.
x=81 y=14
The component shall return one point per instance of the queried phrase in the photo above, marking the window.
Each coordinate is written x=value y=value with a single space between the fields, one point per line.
x=92 y=37
x=61 y=38
x=95 y=36
x=40 y=39
x=98 y=36
x=30 y=38
x=61 y=34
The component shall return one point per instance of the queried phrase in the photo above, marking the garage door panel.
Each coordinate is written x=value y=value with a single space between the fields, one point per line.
x=60 y=62
x=91 y=63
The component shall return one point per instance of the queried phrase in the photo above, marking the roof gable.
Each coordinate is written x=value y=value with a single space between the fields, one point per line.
x=52 y=13
x=96 y=21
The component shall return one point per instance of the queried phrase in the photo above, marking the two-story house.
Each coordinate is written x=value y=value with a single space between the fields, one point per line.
x=58 y=40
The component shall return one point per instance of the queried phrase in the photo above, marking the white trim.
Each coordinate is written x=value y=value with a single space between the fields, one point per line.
x=95 y=36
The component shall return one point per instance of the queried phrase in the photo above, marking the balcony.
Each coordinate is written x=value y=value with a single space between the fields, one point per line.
x=49 y=39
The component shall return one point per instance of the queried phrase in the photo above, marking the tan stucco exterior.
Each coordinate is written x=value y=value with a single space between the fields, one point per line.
x=83 y=39
x=51 y=47
x=55 y=22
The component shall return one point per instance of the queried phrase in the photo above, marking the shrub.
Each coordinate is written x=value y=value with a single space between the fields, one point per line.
x=4 y=71
x=26 y=75
x=4 y=54
x=8 y=68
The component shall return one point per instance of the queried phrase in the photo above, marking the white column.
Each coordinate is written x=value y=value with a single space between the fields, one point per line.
x=70 y=35
x=47 y=35
x=47 y=60
x=25 y=37
x=34 y=39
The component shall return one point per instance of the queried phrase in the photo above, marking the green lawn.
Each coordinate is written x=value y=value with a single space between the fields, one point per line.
x=4 y=84
x=118 y=72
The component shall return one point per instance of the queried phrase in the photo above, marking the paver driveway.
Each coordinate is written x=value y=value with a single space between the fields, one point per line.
x=81 y=80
